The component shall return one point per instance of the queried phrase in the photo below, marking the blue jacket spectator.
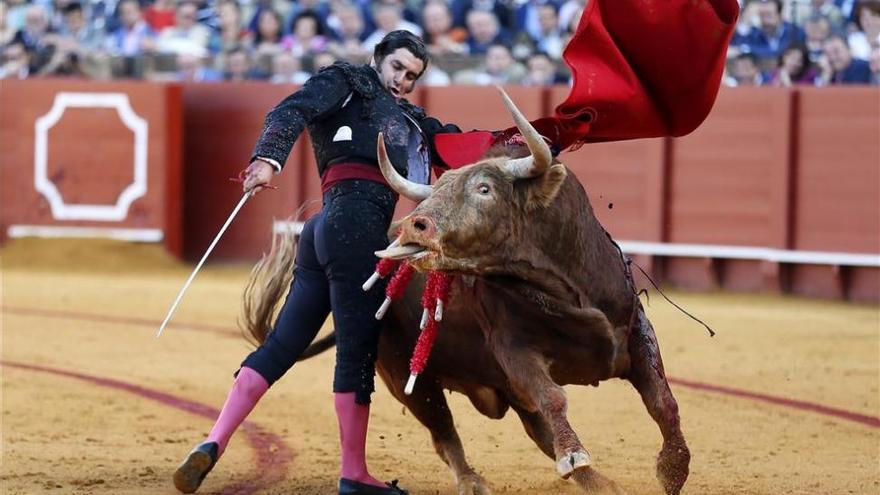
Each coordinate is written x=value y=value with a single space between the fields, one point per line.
x=461 y=8
x=134 y=36
x=542 y=71
x=773 y=35
x=76 y=27
x=857 y=72
x=846 y=69
x=484 y=31
x=528 y=17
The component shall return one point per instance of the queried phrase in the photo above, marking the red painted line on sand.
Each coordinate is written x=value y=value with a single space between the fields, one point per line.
x=272 y=455
x=122 y=320
x=864 y=419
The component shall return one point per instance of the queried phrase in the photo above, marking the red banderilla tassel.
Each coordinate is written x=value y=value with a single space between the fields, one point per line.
x=436 y=294
x=421 y=354
x=428 y=299
x=384 y=267
x=396 y=286
x=441 y=293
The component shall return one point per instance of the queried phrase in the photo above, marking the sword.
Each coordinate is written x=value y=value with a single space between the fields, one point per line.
x=201 y=262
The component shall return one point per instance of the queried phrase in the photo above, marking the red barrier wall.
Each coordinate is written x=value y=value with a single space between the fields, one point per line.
x=776 y=168
x=837 y=188
x=222 y=123
x=481 y=107
x=94 y=159
x=789 y=170
x=728 y=185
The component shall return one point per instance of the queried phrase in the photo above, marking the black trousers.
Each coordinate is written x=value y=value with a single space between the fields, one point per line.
x=334 y=258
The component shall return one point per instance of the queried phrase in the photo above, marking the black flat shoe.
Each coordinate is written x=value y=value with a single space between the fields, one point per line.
x=351 y=487
x=195 y=467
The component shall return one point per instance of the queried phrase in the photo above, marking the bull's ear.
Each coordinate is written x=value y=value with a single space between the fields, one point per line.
x=541 y=191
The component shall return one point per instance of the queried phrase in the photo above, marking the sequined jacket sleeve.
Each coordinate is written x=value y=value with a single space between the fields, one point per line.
x=322 y=93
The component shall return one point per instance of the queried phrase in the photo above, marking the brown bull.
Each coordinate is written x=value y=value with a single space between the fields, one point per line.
x=544 y=299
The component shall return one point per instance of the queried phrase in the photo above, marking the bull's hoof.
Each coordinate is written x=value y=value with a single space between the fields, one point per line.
x=592 y=482
x=473 y=484
x=673 y=467
x=571 y=461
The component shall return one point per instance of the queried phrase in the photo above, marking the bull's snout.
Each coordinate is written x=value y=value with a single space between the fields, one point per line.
x=423 y=225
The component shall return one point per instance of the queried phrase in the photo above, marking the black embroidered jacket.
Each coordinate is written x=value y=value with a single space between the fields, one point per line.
x=344 y=108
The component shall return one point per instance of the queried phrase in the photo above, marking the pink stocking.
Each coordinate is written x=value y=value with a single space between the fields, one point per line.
x=246 y=391
x=353 y=419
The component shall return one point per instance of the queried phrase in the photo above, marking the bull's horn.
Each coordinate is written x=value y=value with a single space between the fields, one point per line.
x=404 y=187
x=541 y=158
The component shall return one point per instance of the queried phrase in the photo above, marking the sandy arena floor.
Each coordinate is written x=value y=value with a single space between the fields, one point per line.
x=784 y=400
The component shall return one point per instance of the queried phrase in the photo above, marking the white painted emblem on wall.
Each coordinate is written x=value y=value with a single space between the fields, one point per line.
x=343 y=134
x=108 y=213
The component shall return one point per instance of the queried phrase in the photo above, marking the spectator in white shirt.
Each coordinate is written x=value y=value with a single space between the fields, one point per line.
x=867 y=38
x=287 y=69
x=187 y=34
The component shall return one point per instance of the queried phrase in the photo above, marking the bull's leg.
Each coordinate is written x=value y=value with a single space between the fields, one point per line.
x=429 y=406
x=649 y=379
x=538 y=430
x=537 y=393
x=542 y=408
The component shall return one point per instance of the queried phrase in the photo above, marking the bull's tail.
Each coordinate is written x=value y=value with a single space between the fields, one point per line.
x=319 y=346
x=268 y=282
x=265 y=289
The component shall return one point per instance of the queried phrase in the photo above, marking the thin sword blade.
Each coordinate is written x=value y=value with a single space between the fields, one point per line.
x=201 y=262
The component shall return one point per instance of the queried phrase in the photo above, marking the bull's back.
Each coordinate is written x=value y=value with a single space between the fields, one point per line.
x=587 y=250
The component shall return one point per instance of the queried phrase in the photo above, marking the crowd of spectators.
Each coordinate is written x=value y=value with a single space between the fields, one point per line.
x=805 y=42
x=282 y=41
x=776 y=43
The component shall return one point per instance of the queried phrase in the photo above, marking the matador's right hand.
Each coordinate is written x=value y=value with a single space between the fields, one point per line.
x=257 y=176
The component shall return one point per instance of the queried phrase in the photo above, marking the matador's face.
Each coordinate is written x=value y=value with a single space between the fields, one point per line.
x=399 y=71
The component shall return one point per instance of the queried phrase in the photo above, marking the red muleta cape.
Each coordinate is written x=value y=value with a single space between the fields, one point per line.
x=641 y=69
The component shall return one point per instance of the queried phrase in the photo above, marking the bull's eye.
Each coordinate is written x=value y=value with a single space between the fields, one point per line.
x=484 y=188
